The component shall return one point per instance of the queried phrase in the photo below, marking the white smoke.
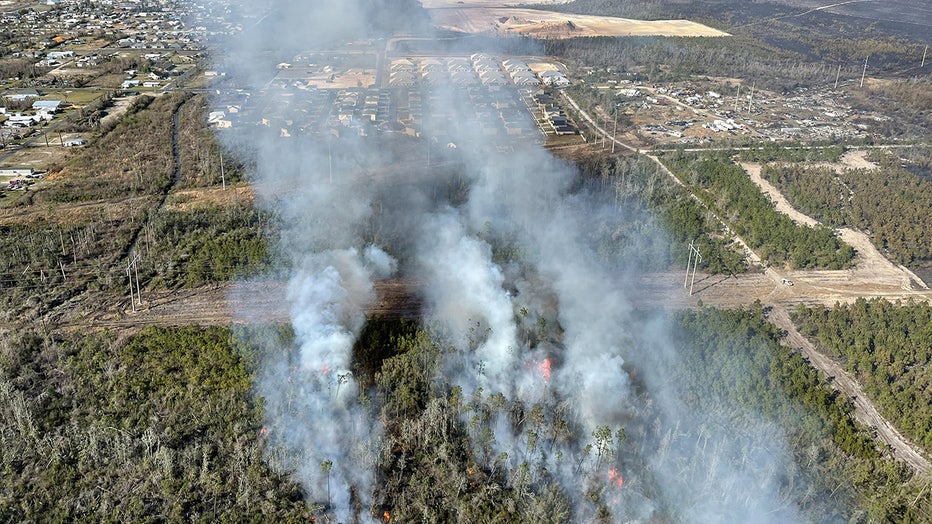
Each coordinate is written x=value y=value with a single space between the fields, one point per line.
x=550 y=327
x=465 y=292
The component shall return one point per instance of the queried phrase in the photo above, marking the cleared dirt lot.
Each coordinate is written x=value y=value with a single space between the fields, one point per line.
x=547 y=24
x=442 y=4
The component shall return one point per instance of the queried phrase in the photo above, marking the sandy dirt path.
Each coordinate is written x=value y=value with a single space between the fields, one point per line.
x=871 y=265
x=864 y=410
x=873 y=276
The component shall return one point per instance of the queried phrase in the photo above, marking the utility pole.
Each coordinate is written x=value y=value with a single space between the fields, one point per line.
x=837 y=75
x=751 y=98
x=695 y=267
x=223 y=178
x=604 y=123
x=129 y=276
x=695 y=263
x=689 y=260
x=864 y=72
x=132 y=267
x=614 y=128
x=737 y=97
x=330 y=156
x=139 y=291
x=924 y=52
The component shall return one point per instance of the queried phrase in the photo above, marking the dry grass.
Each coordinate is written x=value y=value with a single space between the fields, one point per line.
x=188 y=199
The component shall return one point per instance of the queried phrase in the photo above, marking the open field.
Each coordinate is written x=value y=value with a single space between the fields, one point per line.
x=547 y=24
x=442 y=4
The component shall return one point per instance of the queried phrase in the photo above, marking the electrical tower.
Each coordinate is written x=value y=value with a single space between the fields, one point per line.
x=695 y=263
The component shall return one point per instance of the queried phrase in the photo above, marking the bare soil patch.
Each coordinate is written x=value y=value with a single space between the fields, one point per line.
x=548 y=24
x=340 y=79
x=39 y=156
x=117 y=108
x=857 y=160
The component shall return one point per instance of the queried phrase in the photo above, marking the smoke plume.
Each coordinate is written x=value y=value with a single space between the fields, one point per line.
x=511 y=269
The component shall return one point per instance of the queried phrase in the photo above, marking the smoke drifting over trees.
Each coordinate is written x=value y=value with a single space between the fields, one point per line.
x=561 y=387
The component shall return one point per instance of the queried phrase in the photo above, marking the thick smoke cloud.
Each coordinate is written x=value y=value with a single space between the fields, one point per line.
x=691 y=466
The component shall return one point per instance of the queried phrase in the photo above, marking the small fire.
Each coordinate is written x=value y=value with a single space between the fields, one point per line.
x=544 y=368
x=615 y=478
x=263 y=432
x=386 y=517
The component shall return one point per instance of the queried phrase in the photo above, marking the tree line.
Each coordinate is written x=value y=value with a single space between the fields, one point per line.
x=162 y=424
x=888 y=348
x=651 y=199
x=725 y=187
x=889 y=203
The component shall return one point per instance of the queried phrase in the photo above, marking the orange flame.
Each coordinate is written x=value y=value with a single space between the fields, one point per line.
x=263 y=432
x=544 y=368
x=615 y=478
x=386 y=517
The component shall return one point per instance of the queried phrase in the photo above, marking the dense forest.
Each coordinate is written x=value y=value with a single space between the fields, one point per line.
x=727 y=189
x=159 y=426
x=888 y=348
x=889 y=203
x=162 y=425
x=637 y=183
x=791 y=152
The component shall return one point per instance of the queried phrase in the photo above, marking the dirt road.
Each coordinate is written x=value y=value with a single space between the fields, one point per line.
x=873 y=276
x=871 y=266
x=864 y=410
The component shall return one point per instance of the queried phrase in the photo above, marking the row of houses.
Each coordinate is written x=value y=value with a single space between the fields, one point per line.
x=480 y=68
x=556 y=118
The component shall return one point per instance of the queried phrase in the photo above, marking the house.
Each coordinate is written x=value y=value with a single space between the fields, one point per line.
x=554 y=78
x=20 y=95
x=75 y=142
x=20 y=120
x=17 y=171
x=47 y=106
x=401 y=78
x=58 y=55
